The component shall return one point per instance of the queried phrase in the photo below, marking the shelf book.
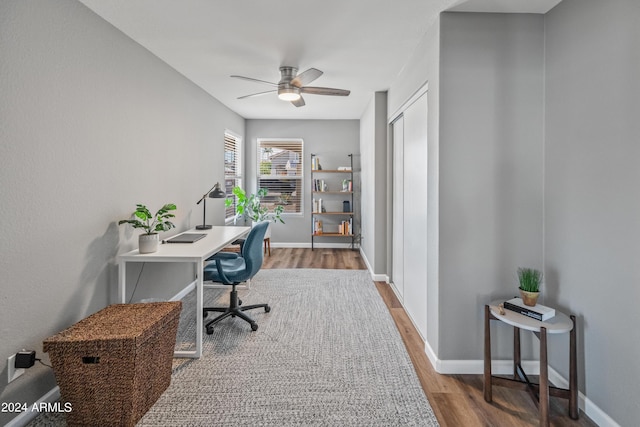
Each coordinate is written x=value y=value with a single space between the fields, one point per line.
x=538 y=312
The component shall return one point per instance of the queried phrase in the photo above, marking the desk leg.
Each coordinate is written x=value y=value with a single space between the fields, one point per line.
x=544 y=379
x=573 y=372
x=199 y=307
x=487 y=354
x=122 y=277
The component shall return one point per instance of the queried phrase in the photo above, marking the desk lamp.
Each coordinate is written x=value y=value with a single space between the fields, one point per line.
x=215 y=193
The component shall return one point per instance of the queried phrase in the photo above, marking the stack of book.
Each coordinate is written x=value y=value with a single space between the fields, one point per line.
x=315 y=164
x=538 y=311
x=319 y=185
x=317 y=206
x=345 y=227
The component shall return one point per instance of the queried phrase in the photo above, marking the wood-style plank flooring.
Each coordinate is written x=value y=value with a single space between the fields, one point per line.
x=457 y=400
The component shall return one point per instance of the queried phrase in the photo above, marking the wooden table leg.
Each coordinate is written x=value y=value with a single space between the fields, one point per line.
x=544 y=379
x=487 y=354
x=573 y=372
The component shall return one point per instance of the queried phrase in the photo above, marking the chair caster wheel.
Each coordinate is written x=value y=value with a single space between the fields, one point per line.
x=267 y=309
x=239 y=302
x=209 y=330
x=254 y=326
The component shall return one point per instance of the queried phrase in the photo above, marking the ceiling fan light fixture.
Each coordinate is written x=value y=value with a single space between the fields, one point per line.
x=289 y=94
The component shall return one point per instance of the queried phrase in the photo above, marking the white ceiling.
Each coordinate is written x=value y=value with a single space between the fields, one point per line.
x=361 y=45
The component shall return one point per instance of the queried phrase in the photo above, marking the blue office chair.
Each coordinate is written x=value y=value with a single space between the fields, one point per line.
x=232 y=269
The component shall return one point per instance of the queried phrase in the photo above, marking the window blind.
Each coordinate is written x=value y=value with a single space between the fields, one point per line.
x=280 y=172
x=232 y=168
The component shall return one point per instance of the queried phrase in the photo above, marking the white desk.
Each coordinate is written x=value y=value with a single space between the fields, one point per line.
x=217 y=238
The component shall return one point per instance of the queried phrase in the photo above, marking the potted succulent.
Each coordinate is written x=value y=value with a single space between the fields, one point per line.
x=151 y=224
x=249 y=207
x=530 y=280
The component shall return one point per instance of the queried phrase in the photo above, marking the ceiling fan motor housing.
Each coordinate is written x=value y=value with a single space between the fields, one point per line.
x=286 y=90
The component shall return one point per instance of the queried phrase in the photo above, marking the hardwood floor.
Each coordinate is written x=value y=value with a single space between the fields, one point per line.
x=457 y=400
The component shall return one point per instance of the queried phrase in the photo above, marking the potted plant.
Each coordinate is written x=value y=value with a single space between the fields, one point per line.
x=151 y=224
x=530 y=280
x=249 y=206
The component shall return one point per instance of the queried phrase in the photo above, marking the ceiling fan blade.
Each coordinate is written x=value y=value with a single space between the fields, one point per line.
x=254 y=80
x=299 y=103
x=324 y=91
x=306 y=77
x=258 y=94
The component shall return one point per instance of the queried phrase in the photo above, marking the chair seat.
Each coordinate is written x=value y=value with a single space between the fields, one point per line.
x=234 y=269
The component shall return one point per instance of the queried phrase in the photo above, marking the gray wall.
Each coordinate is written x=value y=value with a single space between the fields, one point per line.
x=373 y=149
x=332 y=141
x=424 y=67
x=491 y=163
x=592 y=208
x=91 y=124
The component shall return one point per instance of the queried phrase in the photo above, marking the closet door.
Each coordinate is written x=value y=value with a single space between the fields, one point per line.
x=397 y=265
x=415 y=212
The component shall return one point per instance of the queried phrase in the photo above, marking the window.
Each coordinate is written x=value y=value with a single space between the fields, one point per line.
x=232 y=168
x=280 y=172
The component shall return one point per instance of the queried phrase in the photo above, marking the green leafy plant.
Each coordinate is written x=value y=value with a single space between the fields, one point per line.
x=530 y=279
x=265 y=167
x=142 y=218
x=249 y=206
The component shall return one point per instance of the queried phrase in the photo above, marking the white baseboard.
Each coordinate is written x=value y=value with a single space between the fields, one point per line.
x=308 y=245
x=184 y=292
x=375 y=277
x=27 y=416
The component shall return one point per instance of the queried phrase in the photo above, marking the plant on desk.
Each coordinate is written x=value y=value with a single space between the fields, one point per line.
x=530 y=280
x=151 y=224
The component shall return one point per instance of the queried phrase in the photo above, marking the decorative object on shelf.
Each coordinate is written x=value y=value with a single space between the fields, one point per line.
x=530 y=280
x=248 y=206
x=151 y=224
x=346 y=206
x=215 y=193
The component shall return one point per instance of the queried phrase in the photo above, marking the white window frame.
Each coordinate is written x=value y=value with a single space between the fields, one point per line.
x=238 y=177
x=300 y=177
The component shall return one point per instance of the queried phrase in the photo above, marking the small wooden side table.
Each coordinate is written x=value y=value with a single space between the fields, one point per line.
x=560 y=323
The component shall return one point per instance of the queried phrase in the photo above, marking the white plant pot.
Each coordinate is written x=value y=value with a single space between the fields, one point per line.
x=148 y=243
x=267 y=235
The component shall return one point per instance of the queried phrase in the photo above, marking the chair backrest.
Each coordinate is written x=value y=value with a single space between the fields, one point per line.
x=252 y=248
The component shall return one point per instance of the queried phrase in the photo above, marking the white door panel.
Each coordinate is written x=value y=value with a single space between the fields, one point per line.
x=398 y=207
x=415 y=213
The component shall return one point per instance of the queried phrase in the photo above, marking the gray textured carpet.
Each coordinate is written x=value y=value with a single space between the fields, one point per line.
x=328 y=354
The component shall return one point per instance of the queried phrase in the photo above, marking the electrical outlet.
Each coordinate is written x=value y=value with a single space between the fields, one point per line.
x=12 y=372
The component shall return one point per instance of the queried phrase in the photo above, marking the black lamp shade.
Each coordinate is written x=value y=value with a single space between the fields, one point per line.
x=217 y=192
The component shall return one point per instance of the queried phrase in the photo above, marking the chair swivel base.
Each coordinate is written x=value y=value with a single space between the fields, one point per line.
x=234 y=309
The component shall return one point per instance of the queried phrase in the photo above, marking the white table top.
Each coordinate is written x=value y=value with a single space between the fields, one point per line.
x=558 y=324
x=217 y=238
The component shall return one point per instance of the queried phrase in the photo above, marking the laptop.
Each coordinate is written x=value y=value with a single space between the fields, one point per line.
x=186 y=238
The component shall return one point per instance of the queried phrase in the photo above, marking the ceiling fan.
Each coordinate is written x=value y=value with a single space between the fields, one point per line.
x=292 y=85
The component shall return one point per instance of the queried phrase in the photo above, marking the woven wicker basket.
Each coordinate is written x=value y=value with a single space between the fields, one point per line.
x=114 y=365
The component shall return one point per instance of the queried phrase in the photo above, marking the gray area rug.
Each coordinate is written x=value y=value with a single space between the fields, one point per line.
x=328 y=354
